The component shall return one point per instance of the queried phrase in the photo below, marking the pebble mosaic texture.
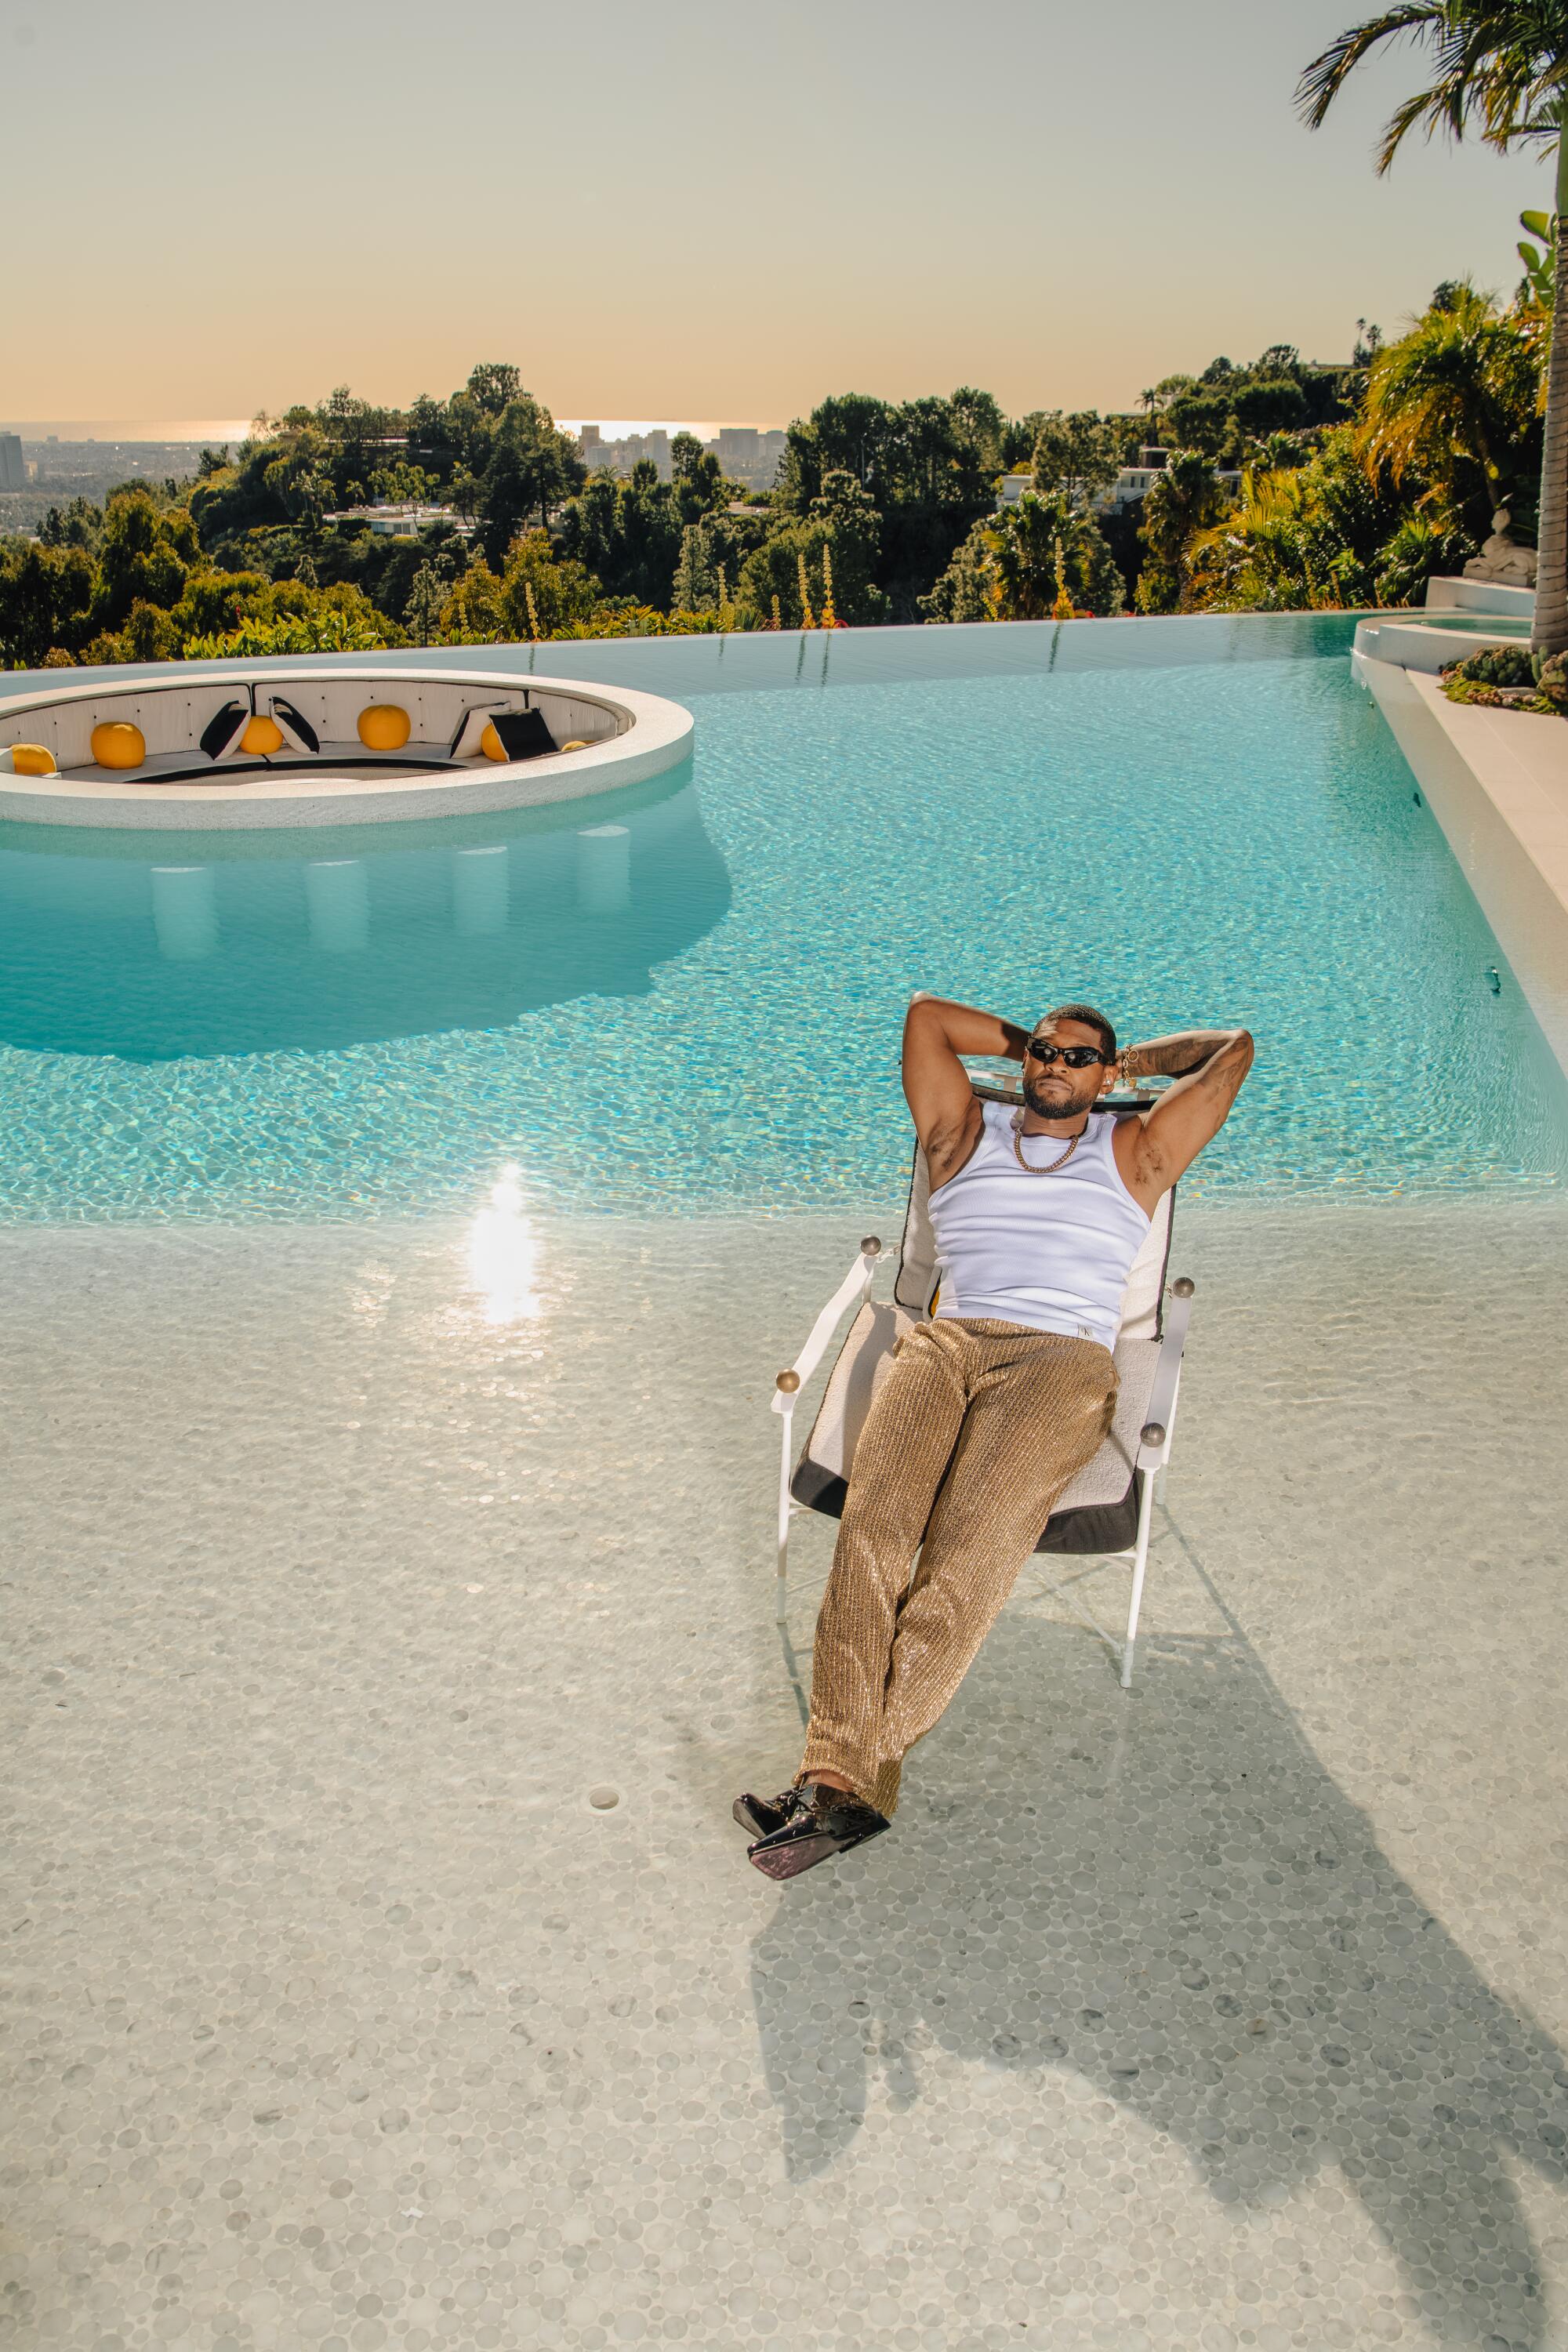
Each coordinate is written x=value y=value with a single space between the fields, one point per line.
x=388 y=1635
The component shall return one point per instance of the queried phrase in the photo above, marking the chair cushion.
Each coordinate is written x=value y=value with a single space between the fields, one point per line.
x=117 y=743
x=1098 y=1510
x=224 y=729
x=383 y=726
x=917 y=1251
x=470 y=726
x=295 y=725
x=1143 y=1300
x=263 y=737
x=524 y=733
x=863 y=1364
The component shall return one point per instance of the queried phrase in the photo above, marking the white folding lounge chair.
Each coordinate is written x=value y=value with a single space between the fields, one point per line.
x=1105 y=1513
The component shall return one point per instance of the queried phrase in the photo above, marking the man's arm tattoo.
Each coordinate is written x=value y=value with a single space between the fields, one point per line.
x=1224 y=1073
x=1177 y=1055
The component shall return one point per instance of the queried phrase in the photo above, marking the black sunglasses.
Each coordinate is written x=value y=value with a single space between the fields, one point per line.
x=1076 y=1057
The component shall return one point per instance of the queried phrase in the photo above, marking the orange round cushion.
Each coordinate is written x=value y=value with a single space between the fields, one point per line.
x=384 y=727
x=117 y=745
x=575 y=745
x=262 y=736
x=491 y=743
x=32 y=760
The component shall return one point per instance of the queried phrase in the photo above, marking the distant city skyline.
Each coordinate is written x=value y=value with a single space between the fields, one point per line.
x=733 y=217
x=124 y=428
x=233 y=428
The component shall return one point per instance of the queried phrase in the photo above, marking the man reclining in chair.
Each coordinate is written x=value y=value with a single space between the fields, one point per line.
x=993 y=1405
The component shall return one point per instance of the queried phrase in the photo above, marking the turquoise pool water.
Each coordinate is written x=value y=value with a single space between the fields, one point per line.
x=1491 y=624
x=688 y=999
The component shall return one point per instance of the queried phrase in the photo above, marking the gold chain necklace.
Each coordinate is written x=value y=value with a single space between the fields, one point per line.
x=1054 y=1164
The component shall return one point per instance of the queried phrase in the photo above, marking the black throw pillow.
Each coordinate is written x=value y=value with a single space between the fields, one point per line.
x=296 y=723
x=523 y=734
x=219 y=734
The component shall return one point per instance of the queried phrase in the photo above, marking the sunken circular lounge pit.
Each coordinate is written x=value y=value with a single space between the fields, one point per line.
x=264 y=745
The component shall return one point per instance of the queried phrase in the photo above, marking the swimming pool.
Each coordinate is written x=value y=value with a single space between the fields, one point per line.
x=691 y=1002
x=1487 y=624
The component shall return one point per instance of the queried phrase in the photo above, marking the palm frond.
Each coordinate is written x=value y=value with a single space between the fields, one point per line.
x=1499 y=67
x=1433 y=107
x=1322 y=80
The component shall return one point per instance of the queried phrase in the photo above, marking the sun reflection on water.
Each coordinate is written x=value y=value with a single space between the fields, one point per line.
x=503 y=1253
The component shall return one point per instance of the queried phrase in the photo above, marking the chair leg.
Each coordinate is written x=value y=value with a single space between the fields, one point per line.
x=1140 y=1563
x=781 y=1588
x=1165 y=1471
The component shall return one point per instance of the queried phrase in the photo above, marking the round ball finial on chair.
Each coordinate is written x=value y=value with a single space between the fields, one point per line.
x=872 y=1246
x=1152 y=1433
x=262 y=737
x=787 y=1383
x=117 y=745
x=32 y=760
x=1183 y=1286
x=384 y=727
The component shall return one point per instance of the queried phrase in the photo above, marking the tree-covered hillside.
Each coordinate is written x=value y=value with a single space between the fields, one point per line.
x=1283 y=486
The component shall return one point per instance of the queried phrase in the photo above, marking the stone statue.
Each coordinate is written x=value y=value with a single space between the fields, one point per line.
x=1500 y=561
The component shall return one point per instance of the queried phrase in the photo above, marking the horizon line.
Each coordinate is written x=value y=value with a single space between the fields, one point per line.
x=196 y=429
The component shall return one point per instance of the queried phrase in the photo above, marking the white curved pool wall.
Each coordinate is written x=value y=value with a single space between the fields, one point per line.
x=1493 y=615
x=1413 y=646
x=1460 y=595
x=628 y=736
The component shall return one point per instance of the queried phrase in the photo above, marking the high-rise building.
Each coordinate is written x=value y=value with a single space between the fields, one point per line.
x=748 y=455
x=13 y=464
x=745 y=454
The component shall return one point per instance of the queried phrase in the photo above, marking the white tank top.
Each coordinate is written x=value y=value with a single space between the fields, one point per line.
x=1052 y=1253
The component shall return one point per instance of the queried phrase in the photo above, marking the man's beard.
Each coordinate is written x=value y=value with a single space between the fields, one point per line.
x=1057 y=1105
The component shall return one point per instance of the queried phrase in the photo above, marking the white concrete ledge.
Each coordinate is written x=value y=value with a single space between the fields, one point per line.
x=1460 y=595
x=628 y=736
x=1413 y=645
x=1496 y=781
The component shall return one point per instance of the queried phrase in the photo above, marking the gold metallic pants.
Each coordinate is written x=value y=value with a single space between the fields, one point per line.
x=976 y=1430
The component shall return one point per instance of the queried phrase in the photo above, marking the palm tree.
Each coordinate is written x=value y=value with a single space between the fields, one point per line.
x=1500 y=69
x=1450 y=396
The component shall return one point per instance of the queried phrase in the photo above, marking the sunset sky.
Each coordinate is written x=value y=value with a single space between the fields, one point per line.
x=693 y=212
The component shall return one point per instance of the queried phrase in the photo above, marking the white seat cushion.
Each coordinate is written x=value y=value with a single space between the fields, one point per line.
x=864 y=1363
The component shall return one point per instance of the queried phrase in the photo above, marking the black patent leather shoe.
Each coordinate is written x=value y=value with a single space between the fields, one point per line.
x=829 y=1823
x=761 y=1816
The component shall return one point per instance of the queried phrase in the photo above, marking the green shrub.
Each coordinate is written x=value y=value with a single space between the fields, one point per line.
x=326 y=631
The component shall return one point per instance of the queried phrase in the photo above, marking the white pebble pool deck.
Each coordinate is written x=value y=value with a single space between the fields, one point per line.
x=383 y=1969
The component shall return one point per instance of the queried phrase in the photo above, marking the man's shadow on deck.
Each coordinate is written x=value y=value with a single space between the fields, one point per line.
x=1165 y=1894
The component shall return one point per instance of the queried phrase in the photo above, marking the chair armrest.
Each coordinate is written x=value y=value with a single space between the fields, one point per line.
x=855 y=1285
x=1155 y=1432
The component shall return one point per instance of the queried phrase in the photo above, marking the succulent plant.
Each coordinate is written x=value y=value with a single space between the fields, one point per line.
x=1498 y=666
